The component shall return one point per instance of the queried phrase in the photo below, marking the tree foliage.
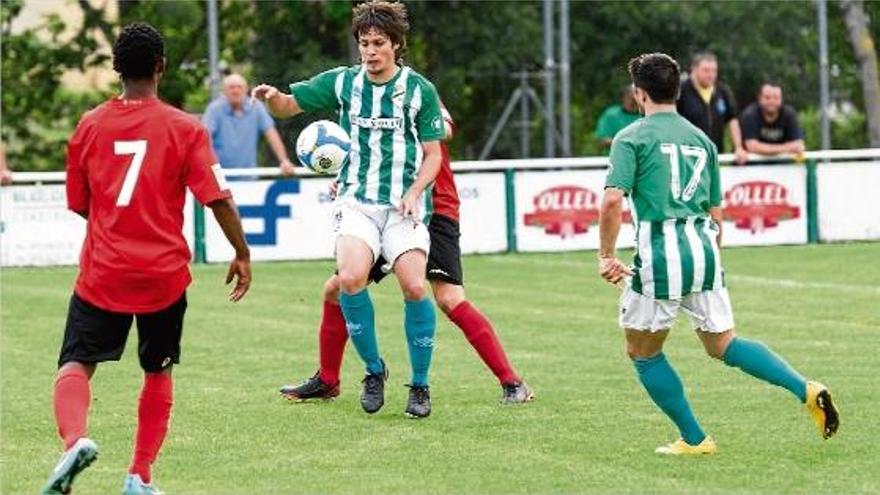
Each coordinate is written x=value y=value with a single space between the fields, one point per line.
x=469 y=49
x=38 y=113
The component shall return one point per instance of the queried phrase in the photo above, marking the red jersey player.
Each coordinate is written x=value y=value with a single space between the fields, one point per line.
x=129 y=163
x=446 y=277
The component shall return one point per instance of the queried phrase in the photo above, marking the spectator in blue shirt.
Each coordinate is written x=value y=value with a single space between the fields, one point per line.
x=236 y=124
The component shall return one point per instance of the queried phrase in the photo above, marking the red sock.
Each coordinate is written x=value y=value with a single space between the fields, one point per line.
x=154 y=412
x=332 y=337
x=478 y=330
x=71 y=400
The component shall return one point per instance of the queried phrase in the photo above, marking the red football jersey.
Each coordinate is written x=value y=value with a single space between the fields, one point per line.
x=129 y=163
x=445 y=195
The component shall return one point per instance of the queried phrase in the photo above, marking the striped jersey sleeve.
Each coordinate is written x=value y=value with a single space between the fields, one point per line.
x=319 y=92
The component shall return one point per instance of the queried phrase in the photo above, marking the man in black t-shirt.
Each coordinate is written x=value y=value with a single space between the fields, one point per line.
x=709 y=104
x=769 y=127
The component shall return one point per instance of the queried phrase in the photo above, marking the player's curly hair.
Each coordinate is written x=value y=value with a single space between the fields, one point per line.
x=658 y=74
x=386 y=17
x=136 y=51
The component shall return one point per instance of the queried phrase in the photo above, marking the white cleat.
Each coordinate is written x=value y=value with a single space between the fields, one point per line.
x=72 y=462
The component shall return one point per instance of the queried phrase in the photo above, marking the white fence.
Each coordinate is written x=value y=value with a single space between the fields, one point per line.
x=524 y=205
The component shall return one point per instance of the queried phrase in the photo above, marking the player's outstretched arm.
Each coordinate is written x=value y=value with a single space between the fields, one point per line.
x=280 y=105
x=427 y=173
x=240 y=268
x=610 y=217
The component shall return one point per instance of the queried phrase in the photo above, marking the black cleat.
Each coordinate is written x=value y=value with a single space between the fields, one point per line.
x=312 y=389
x=373 y=396
x=419 y=403
x=516 y=393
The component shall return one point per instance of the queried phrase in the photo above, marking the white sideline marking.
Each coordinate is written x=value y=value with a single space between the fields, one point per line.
x=749 y=279
x=795 y=284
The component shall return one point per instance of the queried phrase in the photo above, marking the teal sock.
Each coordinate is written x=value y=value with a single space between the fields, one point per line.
x=665 y=388
x=360 y=321
x=420 y=322
x=758 y=360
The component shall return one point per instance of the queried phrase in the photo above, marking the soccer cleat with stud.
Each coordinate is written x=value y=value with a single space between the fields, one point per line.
x=134 y=485
x=822 y=409
x=516 y=393
x=312 y=389
x=72 y=462
x=680 y=447
x=373 y=396
x=419 y=403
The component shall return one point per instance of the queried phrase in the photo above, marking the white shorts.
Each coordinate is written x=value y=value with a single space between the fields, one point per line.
x=382 y=227
x=710 y=311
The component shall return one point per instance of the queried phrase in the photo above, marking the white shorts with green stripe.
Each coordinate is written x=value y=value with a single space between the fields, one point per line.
x=381 y=227
x=710 y=311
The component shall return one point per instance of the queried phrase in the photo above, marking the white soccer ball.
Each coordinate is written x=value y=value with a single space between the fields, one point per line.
x=323 y=146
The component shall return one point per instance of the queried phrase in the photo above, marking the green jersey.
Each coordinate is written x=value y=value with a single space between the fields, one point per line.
x=613 y=120
x=387 y=124
x=669 y=169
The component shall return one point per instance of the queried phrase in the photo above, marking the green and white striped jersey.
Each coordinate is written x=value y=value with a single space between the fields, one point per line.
x=387 y=124
x=669 y=169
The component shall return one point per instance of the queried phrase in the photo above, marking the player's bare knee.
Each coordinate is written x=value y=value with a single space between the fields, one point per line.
x=447 y=296
x=631 y=352
x=716 y=344
x=643 y=345
x=87 y=368
x=331 y=289
x=641 y=351
x=413 y=290
x=447 y=303
x=716 y=351
x=350 y=282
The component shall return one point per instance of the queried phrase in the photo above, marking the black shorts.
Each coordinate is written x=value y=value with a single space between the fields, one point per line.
x=93 y=335
x=444 y=260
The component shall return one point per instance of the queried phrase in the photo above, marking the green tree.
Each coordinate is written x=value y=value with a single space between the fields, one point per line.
x=38 y=113
x=184 y=26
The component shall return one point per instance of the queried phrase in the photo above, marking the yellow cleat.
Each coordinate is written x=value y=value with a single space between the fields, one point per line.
x=822 y=409
x=680 y=447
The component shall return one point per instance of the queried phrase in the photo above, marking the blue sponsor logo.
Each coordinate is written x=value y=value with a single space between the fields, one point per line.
x=270 y=211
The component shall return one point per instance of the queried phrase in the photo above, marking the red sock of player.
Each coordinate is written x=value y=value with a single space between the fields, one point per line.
x=71 y=399
x=154 y=412
x=331 y=341
x=478 y=330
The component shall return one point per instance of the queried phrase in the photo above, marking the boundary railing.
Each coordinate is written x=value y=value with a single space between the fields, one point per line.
x=510 y=168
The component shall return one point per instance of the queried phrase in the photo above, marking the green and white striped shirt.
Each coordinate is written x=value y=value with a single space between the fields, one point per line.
x=669 y=169
x=676 y=257
x=387 y=124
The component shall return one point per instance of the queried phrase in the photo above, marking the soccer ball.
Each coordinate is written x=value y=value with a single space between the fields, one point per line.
x=323 y=147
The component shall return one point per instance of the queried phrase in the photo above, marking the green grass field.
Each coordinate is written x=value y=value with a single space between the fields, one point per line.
x=592 y=428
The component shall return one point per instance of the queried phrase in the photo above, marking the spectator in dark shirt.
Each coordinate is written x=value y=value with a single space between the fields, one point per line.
x=617 y=116
x=709 y=104
x=769 y=127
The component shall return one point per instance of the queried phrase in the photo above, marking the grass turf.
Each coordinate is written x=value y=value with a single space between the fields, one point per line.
x=592 y=428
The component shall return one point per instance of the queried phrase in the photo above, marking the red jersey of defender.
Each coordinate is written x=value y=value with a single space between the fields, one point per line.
x=129 y=163
x=445 y=193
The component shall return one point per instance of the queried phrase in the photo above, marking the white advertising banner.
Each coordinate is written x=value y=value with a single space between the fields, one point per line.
x=291 y=219
x=37 y=229
x=764 y=205
x=849 y=201
x=483 y=212
x=559 y=211
x=283 y=219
